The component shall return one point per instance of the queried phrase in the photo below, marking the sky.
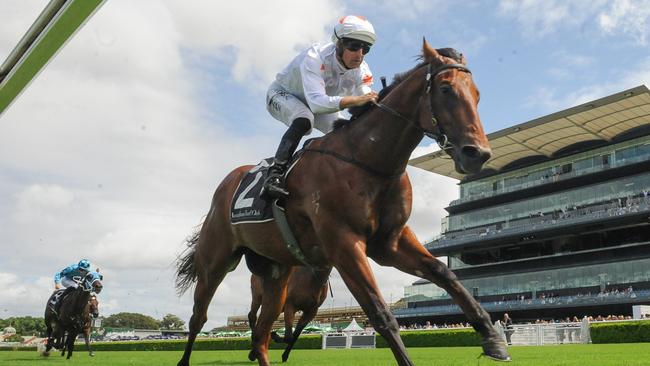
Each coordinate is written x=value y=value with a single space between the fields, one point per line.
x=114 y=150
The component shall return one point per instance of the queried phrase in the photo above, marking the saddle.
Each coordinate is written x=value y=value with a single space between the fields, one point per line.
x=250 y=206
x=248 y=203
x=56 y=297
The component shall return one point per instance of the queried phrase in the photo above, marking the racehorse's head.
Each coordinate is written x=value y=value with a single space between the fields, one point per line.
x=454 y=101
x=93 y=306
x=93 y=282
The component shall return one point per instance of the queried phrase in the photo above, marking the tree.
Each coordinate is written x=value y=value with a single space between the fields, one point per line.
x=131 y=320
x=171 y=321
x=26 y=325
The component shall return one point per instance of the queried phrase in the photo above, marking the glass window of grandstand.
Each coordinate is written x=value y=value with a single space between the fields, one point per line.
x=624 y=153
x=588 y=200
x=586 y=280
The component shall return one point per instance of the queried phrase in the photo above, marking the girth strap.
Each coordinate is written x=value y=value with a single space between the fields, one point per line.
x=287 y=235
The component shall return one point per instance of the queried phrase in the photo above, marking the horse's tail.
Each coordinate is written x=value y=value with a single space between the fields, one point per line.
x=186 y=272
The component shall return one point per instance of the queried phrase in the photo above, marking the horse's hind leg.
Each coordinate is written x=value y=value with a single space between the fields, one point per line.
x=274 y=295
x=206 y=286
x=410 y=256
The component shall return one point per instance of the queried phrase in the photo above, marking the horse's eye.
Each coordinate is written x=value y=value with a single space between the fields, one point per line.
x=445 y=89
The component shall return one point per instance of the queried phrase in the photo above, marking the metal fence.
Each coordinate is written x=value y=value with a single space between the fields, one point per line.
x=349 y=340
x=549 y=333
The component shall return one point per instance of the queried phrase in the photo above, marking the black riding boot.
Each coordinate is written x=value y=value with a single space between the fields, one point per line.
x=274 y=183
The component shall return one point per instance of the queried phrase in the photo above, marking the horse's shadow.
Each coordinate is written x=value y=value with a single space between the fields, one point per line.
x=218 y=362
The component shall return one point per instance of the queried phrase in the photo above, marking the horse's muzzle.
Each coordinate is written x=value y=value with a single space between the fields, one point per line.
x=472 y=158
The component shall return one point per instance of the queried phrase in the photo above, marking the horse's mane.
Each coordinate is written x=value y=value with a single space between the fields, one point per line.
x=397 y=79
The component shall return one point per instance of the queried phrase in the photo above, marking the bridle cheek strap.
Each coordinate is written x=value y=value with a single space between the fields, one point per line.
x=439 y=136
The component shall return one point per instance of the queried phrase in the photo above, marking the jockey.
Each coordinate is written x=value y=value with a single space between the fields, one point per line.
x=318 y=83
x=66 y=278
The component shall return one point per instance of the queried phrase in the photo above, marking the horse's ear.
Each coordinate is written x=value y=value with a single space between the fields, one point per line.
x=428 y=52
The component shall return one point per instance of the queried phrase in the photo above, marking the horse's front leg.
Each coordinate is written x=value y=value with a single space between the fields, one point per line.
x=348 y=255
x=50 y=337
x=289 y=317
x=307 y=316
x=63 y=342
x=273 y=298
x=289 y=314
x=409 y=256
x=87 y=340
x=70 y=342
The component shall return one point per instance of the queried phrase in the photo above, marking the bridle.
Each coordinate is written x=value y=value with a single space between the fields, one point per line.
x=439 y=135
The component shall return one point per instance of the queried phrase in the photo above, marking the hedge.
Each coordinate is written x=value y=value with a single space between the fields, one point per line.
x=623 y=332
x=436 y=338
x=212 y=344
x=17 y=348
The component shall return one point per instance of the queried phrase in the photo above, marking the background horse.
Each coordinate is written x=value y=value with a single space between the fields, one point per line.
x=306 y=292
x=350 y=200
x=62 y=330
x=90 y=311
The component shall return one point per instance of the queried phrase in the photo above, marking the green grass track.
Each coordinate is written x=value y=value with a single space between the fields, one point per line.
x=565 y=355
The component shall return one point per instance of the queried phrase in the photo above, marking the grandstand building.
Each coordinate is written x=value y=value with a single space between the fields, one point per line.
x=556 y=225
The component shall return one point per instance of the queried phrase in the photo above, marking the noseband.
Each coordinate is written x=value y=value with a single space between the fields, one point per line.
x=439 y=136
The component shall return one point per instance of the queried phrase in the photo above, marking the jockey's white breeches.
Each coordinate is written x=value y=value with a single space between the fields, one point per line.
x=286 y=107
x=66 y=282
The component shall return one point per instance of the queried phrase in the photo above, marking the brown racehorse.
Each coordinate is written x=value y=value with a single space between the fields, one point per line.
x=92 y=309
x=350 y=200
x=306 y=292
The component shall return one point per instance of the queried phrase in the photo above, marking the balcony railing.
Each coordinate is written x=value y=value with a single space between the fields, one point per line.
x=526 y=304
x=531 y=225
x=545 y=180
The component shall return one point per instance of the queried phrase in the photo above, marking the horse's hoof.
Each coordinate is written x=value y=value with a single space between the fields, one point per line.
x=252 y=355
x=285 y=357
x=495 y=349
x=91 y=354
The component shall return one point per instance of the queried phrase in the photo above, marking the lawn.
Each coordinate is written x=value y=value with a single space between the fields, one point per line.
x=565 y=355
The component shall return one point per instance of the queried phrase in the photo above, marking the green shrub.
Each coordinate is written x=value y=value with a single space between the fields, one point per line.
x=436 y=338
x=14 y=338
x=15 y=348
x=623 y=332
x=212 y=344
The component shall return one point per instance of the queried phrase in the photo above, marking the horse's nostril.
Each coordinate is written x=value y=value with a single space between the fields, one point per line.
x=476 y=153
x=470 y=151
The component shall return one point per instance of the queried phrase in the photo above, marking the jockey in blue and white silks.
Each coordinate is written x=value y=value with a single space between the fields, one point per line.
x=69 y=279
x=65 y=278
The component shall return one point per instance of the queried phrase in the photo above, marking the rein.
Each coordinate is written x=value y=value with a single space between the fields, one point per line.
x=439 y=136
x=353 y=161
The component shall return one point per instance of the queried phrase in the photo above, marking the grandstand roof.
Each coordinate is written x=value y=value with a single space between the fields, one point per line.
x=544 y=138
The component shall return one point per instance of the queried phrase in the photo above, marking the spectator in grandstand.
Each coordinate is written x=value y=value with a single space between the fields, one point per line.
x=66 y=279
x=507 y=327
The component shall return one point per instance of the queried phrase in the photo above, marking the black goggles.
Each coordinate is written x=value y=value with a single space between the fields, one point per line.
x=354 y=46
